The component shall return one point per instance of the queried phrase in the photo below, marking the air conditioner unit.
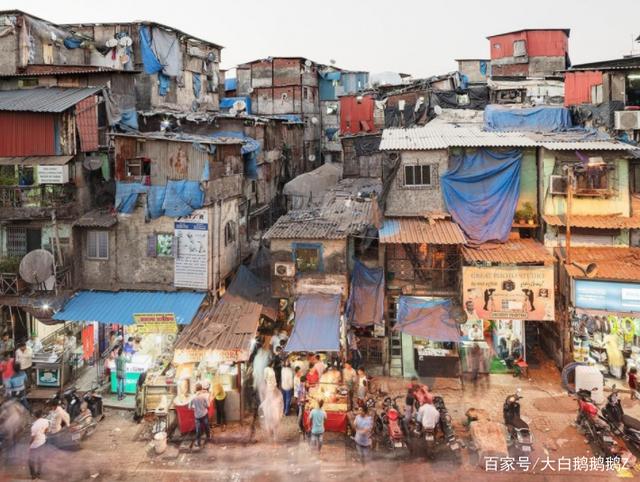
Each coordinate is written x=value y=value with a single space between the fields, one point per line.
x=627 y=120
x=284 y=269
x=558 y=185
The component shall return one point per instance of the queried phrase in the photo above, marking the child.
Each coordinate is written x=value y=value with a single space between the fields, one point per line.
x=633 y=382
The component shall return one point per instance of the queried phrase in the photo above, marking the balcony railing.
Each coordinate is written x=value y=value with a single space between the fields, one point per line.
x=46 y=195
x=11 y=284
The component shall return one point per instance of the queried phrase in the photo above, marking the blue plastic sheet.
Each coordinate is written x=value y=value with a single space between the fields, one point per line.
x=181 y=198
x=155 y=200
x=330 y=132
x=129 y=118
x=149 y=59
x=72 y=42
x=197 y=84
x=163 y=84
x=481 y=193
x=365 y=305
x=227 y=103
x=536 y=119
x=250 y=144
x=317 y=324
x=230 y=84
x=428 y=318
x=127 y=195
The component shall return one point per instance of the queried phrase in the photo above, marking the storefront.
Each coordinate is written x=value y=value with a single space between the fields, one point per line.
x=504 y=287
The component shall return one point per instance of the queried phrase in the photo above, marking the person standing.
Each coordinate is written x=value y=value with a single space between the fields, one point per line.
x=6 y=345
x=352 y=342
x=219 y=398
x=59 y=417
x=121 y=373
x=277 y=365
x=363 y=425
x=18 y=386
x=37 y=446
x=286 y=385
x=301 y=401
x=7 y=370
x=318 y=418
x=24 y=357
x=362 y=384
x=349 y=377
x=200 y=406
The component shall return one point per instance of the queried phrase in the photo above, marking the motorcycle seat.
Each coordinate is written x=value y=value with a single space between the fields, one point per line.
x=631 y=422
x=518 y=423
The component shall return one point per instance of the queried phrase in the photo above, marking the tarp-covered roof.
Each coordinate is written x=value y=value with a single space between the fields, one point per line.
x=427 y=318
x=51 y=99
x=365 y=306
x=119 y=307
x=317 y=324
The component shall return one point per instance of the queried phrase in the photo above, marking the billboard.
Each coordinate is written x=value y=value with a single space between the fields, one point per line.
x=607 y=296
x=191 y=269
x=508 y=292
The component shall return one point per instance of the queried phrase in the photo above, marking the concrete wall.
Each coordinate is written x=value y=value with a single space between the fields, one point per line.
x=412 y=201
x=471 y=68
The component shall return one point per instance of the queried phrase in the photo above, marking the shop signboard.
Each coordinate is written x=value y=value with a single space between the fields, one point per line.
x=509 y=292
x=607 y=296
x=158 y=323
x=53 y=174
x=48 y=377
x=191 y=269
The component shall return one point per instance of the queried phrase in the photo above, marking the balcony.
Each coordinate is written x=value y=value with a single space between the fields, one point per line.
x=11 y=284
x=34 y=201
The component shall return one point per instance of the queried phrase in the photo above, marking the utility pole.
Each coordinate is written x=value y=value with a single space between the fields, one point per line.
x=568 y=214
x=565 y=326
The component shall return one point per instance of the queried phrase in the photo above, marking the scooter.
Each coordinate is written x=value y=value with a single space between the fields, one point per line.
x=390 y=424
x=446 y=425
x=594 y=427
x=94 y=402
x=519 y=434
x=628 y=428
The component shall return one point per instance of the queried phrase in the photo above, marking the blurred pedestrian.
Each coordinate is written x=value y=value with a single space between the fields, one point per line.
x=121 y=373
x=363 y=384
x=7 y=370
x=24 y=357
x=633 y=382
x=352 y=343
x=349 y=378
x=318 y=418
x=200 y=406
x=18 y=386
x=363 y=425
x=301 y=402
x=37 y=445
x=286 y=385
x=220 y=397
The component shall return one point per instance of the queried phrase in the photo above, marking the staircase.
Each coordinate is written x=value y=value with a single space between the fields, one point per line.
x=395 y=355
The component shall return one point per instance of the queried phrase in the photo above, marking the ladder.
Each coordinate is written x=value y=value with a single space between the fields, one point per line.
x=395 y=340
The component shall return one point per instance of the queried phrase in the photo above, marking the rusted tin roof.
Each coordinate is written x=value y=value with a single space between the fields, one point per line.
x=514 y=251
x=613 y=263
x=96 y=219
x=595 y=221
x=419 y=231
x=35 y=161
x=50 y=99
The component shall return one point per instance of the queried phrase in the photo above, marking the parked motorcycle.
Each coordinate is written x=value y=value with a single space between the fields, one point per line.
x=446 y=425
x=389 y=425
x=626 y=427
x=594 y=427
x=519 y=434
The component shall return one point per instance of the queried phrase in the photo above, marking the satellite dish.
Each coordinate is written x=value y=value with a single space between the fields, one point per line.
x=307 y=63
x=240 y=105
x=312 y=157
x=37 y=266
x=437 y=109
x=332 y=61
x=92 y=163
x=232 y=111
x=314 y=120
x=250 y=90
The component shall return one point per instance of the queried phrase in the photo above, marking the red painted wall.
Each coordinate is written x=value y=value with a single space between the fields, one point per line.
x=356 y=117
x=577 y=86
x=27 y=134
x=540 y=43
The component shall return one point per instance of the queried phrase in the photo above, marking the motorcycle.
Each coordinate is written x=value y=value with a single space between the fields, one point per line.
x=626 y=427
x=446 y=425
x=594 y=427
x=94 y=402
x=519 y=434
x=389 y=424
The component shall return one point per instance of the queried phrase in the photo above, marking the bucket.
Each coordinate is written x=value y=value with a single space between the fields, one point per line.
x=160 y=442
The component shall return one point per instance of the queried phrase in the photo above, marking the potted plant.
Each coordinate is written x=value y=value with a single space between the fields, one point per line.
x=528 y=213
x=520 y=217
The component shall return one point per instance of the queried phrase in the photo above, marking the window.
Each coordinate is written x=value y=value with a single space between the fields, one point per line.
x=229 y=233
x=596 y=94
x=592 y=179
x=160 y=245
x=417 y=175
x=138 y=167
x=519 y=48
x=305 y=93
x=308 y=257
x=98 y=244
x=635 y=178
x=633 y=89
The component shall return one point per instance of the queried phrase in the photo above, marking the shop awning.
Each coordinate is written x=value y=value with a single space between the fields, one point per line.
x=366 y=297
x=119 y=307
x=317 y=324
x=35 y=161
x=427 y=318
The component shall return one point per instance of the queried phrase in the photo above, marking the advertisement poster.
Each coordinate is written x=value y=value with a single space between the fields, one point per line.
x=191 y=262
x=509 y=292
x=155 y=323
x=53 y=174
x=607 y=296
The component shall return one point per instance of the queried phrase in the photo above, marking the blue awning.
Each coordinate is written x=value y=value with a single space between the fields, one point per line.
x=119 y=307
x=428 y=318
x=317 y=324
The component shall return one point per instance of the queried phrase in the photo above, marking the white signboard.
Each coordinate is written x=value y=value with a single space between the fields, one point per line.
x=191 y=261
x=53 y=174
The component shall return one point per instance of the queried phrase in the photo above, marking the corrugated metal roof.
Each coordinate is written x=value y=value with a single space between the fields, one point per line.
x=96 y=219
x=51 y=99
x=614 y=263
x=419 y=231
x=35 y=161
x=60 y=70
x=587 y=146
x=119 y=307
x=514 y=251
x=595 y=221
x=180 y=137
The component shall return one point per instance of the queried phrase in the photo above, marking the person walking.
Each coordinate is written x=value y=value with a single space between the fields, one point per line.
x=349 y=378
x=363 y=383
x=37 y=446
x=18 y=386
x=24 y=357
x=301 y=401
x=7 y=370
x=363 y=425
x=121 y=372
x=59 y=417
x=352 y=342
x=286 y=385
x=318 y=418
x=200 y=406
x=219 y=398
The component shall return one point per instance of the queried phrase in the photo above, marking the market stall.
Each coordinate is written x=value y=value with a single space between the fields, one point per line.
x=430 y=335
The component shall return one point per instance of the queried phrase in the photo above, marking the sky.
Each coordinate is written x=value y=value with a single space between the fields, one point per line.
x=418 y=37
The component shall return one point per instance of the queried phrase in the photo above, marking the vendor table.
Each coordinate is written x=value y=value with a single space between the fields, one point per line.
x=187 y=419
x=336 y=421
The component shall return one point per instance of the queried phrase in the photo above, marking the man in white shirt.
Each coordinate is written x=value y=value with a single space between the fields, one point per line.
x=59 y=416
x=286 y=385
x=24 y=357
x=428 y=416
x=37 y=447
x=34 y=343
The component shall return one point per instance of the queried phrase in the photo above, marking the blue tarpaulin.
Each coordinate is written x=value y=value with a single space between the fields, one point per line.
x=197 y=84
x=365 y=306
x=155 y=200
x=149 y=59
x=129 y=118
x=119 y=308
x=230 y=83
x=127 y=195
x=291 y=118
x=182 y=197
x=536 y=119
x=164 y=83
x=72 y=42
x=481 y=193
x=227 y=103
x=249 y=151
x=317 y=324
x=427 y=318
x=177 y=198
